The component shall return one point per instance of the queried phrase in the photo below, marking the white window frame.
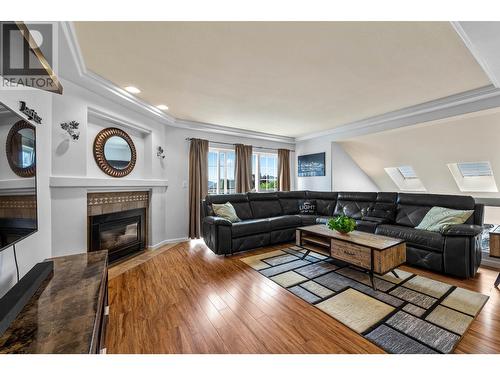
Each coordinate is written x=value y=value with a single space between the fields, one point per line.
x=257 y=170
x=473 y=184
x=226 y=185
x=405 y=184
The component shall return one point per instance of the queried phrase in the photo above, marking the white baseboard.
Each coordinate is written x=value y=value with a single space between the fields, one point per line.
x=167 y=241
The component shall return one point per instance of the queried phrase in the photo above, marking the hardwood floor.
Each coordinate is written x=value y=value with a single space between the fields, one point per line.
x=186 y=299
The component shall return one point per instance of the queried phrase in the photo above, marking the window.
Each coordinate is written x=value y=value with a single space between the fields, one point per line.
x=265 y=165
x=474 y=176
x=221 y=165
x=407 y=172
x=405 y=178
x=474 y=169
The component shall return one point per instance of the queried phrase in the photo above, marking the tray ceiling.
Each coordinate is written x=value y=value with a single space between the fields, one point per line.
x=285 y=78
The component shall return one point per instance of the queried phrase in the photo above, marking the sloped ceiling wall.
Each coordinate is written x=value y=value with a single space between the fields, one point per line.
x=429 y=148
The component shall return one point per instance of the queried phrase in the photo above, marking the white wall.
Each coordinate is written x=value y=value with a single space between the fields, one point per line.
x=346 y=174
x=37 y=247
x=341 y=171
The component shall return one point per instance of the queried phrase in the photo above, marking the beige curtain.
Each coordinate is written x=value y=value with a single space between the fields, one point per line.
x=283 y=170
x=198 y=183
x=243 y=168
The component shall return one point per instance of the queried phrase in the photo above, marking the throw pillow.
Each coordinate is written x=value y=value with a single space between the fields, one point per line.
x=439 y=218
x=307 y=207
x=226 y=211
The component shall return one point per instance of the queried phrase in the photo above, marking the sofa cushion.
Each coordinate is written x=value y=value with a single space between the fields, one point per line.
x=265 y=205
x=325 y=202
x=289 y=201
x=239 y=201
x=307 y=219
x=457 y=202
x=248 y=227
x=410 y=216
x=387 y=197
x=413 y=207
x=354 y=204
x=283 y=222
x=366 y=226
x=422 y=239
x=351 y=208
x=358 y=196
x=382 y=210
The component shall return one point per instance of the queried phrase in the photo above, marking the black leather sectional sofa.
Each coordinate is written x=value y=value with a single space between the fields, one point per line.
x=270 y=218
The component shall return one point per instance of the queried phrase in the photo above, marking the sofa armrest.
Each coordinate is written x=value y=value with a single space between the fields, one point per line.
x=462 y=230
x=216 y=220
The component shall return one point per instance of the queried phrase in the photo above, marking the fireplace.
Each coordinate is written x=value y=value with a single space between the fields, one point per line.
x=117 y=222
x=121 y=233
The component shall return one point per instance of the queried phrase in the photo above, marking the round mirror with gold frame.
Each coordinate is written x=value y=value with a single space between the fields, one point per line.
x=114 y=152
x=20 y=149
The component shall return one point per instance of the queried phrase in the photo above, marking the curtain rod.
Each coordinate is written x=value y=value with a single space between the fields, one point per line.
x=234 y=144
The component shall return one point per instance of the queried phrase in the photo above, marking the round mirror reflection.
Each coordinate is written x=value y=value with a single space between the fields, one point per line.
x=23 y=148
x=20 y=148
x=114 y=152
x=117 y=152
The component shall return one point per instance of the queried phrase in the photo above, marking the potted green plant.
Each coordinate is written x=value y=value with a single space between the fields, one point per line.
x=343 y=224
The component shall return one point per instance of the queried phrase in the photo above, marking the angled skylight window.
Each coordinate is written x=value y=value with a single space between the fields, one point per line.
x=474 y=176
x=405 y=178
x=474 y=169
x=407 y=172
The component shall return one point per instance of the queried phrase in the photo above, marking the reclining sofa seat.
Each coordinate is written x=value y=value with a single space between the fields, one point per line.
x=271 y=218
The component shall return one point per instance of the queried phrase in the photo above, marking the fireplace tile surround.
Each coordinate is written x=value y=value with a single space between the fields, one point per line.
x=105 y=207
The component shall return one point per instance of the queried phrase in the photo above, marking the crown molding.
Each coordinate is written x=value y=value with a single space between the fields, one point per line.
x=94 y=113
x=469 y=101
x=475 y=53
x=201 y=126
x=74 y=47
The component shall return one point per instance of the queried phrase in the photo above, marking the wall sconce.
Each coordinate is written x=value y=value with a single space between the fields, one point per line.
x=160 y=152
x=72 y=129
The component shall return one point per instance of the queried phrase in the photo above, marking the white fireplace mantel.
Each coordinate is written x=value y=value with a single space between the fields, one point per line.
x=104 y=183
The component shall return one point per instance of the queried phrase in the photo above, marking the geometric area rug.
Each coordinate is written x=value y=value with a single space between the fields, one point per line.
x=407 y=315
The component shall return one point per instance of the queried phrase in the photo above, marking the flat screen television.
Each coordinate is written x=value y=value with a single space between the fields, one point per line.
x=18 y=212
x=18 y=200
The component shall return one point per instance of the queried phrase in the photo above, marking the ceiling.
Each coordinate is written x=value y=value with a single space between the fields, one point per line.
x=284 y=78
x=429 y=148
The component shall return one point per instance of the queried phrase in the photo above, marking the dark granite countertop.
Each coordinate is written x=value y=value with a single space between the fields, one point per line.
x=62 y=316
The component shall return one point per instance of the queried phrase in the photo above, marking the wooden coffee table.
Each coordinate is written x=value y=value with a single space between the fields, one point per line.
x=371 y=252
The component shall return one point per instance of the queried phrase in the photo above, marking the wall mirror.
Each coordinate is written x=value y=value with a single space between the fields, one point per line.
x=114 y=152
x=20 y=149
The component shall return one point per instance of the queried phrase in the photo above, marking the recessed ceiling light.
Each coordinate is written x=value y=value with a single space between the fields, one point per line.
x=132 y=90
x=163 y=107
